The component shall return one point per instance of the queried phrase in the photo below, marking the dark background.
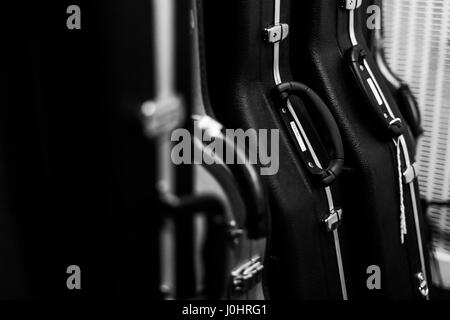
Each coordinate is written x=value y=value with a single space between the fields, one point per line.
x=77 y=175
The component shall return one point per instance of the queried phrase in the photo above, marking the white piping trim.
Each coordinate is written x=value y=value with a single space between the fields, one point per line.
x=415 y=210
x=276 y=64
x=352 y=28
x=375 y=91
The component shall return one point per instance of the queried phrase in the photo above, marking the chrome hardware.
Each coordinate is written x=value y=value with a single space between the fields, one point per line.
x=212 y=128
x=410 y=174
x=277 y=33
x=166 y=292
x=423 y=284
x=351 y=4
x=234 y=232
x=333 y=221
x=162 y=116
x=395 y=121
x=247 y=276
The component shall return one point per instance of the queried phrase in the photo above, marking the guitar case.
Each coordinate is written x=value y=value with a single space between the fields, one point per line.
x=183 y=264
x=144 y=33
x=241 y=80
x=331 y=56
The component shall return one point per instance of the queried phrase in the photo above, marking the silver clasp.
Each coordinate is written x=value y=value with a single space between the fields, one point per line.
x=333 y=221
x=351 y=4
x=410 y=174
x=277 y=33
x=247 y=276
x=423 y=284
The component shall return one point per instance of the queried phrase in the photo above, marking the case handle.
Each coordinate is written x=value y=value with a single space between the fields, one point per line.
x=327 y=176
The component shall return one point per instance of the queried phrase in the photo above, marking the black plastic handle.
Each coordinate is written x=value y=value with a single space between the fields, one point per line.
x=249 y=184
x=334 y=169
x=356 y=57
x=251 y=187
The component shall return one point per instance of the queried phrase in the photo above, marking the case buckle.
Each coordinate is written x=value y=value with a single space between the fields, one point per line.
x=423 y=284
x=334 y=219
x=351 y=4
x=247 y=276
x=410 y=174
x=277 y=33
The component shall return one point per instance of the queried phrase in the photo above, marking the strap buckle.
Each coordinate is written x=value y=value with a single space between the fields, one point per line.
x=422 y=284
x=410 y=174
x=276 y=33
x=247 y=276
x=334 y=219
x=351 y=4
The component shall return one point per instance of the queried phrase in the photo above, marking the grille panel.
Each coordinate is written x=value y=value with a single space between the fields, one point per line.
x=417 y=47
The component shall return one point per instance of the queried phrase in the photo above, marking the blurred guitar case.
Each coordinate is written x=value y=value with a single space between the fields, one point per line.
x=248 y=87
x=154 y=66
x=331 y=56
x=152 y=203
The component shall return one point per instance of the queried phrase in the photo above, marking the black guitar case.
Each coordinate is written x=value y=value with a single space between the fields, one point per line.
x=332 y=61
x=304 y=260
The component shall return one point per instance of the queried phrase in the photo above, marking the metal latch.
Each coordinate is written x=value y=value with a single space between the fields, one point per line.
x=212 y=128
x=247 y=276
x=333 y=221
x=423 y=284
x=410 y=174
x=351 y=4
x=277 y=33
x=162 y=116
x=234 y=232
